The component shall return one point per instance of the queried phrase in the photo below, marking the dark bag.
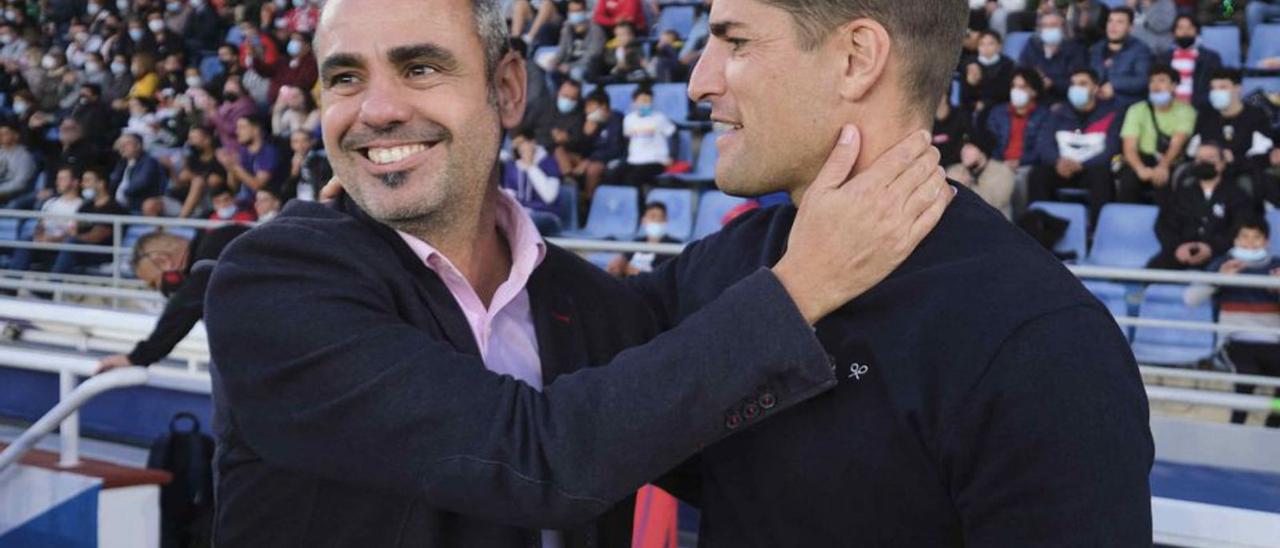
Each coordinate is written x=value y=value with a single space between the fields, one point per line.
x=1163 y=140
x=1046 y=229
x=186 y=503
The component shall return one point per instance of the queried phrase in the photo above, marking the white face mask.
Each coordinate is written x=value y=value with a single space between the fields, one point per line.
x=655 y=230
x=92 y=67
x=20 y=107
x=89 y=194
x=988 y=61
x=119 y=69
x=93 y=9
x=1249 y=255
x=194 y=82
x=1019 y=97
x=227 y=212
x=49 y=63
x=156 y=25
x=6 y=39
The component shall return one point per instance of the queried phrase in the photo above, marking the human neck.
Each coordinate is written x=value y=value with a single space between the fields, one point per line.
x=1116 y=46
x=1210 y=185
x=878 y=136
x=471 y=240
x=71 y=195
x=1234 y=109
x=102 y=199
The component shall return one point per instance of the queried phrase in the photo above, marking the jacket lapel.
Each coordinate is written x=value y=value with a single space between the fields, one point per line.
x=557 y=323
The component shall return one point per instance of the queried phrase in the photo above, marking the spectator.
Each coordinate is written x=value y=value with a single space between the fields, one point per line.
x=1250 y=353
x=294 y=110
x=696 y=41
x=1195 y=222
x=987 y=78
x=94 y=116
x=139 y=179
x=12 y=45
x=266 y=205
x=200 y=174
x=297 y=70
x=259 y=54
x=1246 y=133
x=1122 y=61
x=1087 y=20
x=309 y=168
x=649 y=131
x=1154 y=134
x=581 y=44
x=1015 y=127
x=1153 y=23
x=624 y=56
x=96 y=73
x=146 y=82
x=143 y=121
x=228 y=67
x=72 y=149
x=992 y=180
x=1258 y=12
x=17 y=168
x=58 y=77
x=653 y=228
x=533 y=179
x=1077 y=146
x=610 y=13
x=303 y=18
x=256 y=165
x=1054 y=55
x=561 y=133
x=121 y=81
x=538 y=16
x=163 y=41
x=1193 y=61
x=225 y=208
x=950 y=130
x=205 y=28
x=54 y=230
x=173 y=76
x=97 y=201
x=236 y=104
x=603 y=130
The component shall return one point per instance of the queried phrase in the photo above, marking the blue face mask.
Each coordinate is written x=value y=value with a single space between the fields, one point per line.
x=294 y=48
x=1249 y=255
x=1079 y=96
x=1160 y=98
x=1051 y=36
x=655 y=230
x=644 y=111
x=578 y=17
x=566 y=105
x=1220 y=98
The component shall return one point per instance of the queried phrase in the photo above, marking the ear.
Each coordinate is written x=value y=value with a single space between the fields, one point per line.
x=865 y=46
x=509 y=83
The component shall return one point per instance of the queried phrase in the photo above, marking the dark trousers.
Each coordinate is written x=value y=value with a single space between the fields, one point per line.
x=64 y=262
x=642 y=175
x=1132 y=190
x=1254 y=359
x=1044 y=183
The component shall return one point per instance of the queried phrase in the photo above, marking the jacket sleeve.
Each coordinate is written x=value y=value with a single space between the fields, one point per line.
x=323 y=377
x=1133 y=80
x=181 y=313
x=1053 y=446
x=1167 y=225
x=1046 y=144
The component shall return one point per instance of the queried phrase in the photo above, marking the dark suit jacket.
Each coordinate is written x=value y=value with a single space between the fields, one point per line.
x=985 y=399
x=146 y=180
x=352 y=407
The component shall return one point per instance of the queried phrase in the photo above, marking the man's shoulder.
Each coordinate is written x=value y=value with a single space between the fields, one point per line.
x=313 y=226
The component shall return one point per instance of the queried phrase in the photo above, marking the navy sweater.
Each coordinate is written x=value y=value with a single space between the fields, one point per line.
x=985 y=399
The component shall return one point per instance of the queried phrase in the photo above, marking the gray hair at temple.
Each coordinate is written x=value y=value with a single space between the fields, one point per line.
x=492 y=28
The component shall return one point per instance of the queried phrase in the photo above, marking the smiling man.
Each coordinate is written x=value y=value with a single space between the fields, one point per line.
x=413 y=365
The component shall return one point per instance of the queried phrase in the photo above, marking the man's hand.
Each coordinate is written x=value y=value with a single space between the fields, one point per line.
x=1231 y=267
x=1275 y=156
x=1145 y=173
x=1160 y=175
x=1068 y=168
x=852 y=231
x=112 y=362
x=1106 y=92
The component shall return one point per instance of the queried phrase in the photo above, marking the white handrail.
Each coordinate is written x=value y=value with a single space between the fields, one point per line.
x=1176 y=276
x=122 y=219
x=69 y=404
x=1208 y=376
x=1242 y=402
x=1195 y=326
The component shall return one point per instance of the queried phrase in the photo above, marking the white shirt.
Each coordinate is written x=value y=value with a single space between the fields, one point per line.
x=649 y=138
x=57 y=228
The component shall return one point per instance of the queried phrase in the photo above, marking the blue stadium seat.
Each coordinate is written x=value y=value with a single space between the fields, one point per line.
x=620 y=96
x=210 y=68
x=1114 y=297
x=1224 y=39
x=1264 y=43
x=1015 y=42
x=1075 y=240
x=677 y=18
x=9 y=229
x=704 y=170
x=711 y=208
x=1179 y=347
x=679 y=204
x=234 y=35
x=1268 y=84
x=1125 y=237
x=27 y=230
x=567 y=205
x=1273 y=219
x=613 y=215
x=672 y=99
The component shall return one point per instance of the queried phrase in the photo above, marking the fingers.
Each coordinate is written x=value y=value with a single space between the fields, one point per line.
x=921 y=175
x=925 y=193
x=332 y=190
x=896 y=160
x=840 y=162
x=925 y=223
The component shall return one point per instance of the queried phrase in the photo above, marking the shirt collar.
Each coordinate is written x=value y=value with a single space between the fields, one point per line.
x=528 y=249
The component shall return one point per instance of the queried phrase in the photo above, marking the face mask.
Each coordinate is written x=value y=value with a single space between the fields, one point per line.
x=136 y=34
x=227 y=212
x=976 y=4
x=174 y=7
x=122 y=5
x=1079 y=96
x=82 y=37
x=89 y=194
x=1249 y=255
x=92 y=9
x=299 y=3
x=197 y=4
x=1019 y=97
x=565 y=105
x=93 y=68
x=171 y=281
x=194 y=82
x=155 y=25
x=119 y=69
x=20 y=108
x=655 y=230
x=578 y=18
x=294 y=48
x=11 y=15
x=1185 y=42
x=48 y=63
x=1220 y=98
x=6 y=39
x=1204 y=171
x=988 y=61
x=644 y=110
x=1051 y=36
x=599 y=116
x=1160 y=98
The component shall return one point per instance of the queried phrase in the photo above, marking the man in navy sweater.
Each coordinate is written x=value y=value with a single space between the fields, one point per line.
x=984 y=399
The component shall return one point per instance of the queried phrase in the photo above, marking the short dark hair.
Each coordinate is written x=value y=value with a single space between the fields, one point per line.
x=1224 y=73
x=1032 y=78
x=1254 y=222
x=1092 y=74
x=1161 y=68
x=258 y=122
x=1189 y=19
x=572 y=83
x=1126 y=11
x=656 y=205
x=642 y=90
x=599 y=97
x=95 y=88
x=993 y=34
x=219 y=191
x=927 y=33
